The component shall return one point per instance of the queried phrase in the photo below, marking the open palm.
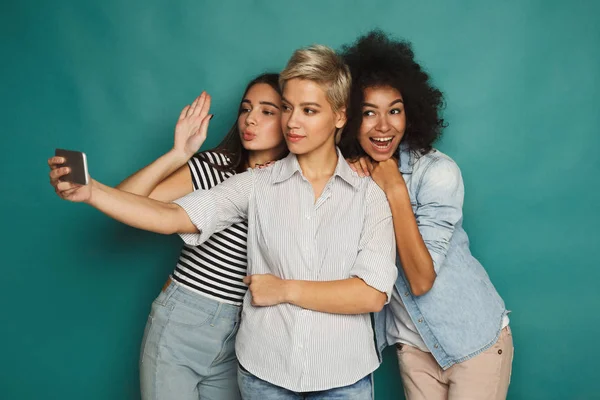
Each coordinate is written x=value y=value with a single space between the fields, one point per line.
x=192 y=126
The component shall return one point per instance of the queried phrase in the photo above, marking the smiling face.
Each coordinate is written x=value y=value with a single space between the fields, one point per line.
x=383 y=122
x=259 y=120
x=308 y=121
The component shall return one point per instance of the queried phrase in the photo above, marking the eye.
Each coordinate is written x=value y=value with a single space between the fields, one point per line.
x=268 y=112
x=286 y=108
x=396 y=111
x=244 y=110
x=309 y=111
x=368 y=113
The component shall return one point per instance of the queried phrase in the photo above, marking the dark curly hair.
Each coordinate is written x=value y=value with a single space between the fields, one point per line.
x=376 y=60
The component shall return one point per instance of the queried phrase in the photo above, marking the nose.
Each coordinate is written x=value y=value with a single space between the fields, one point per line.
x=251 y=118
x=290 y=120
x=382 y=124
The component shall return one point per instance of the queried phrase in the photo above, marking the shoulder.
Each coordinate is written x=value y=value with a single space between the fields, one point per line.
x=208 y=169
x=374 y=195
x=437 y=176
x=210 y=159
x=437 y=166
x=272 y=172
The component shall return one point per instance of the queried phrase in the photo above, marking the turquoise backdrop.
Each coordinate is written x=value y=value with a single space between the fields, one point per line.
x=109 y=77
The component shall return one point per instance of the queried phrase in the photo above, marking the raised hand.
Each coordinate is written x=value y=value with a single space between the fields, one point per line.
x=67 y=190
x=192 y=126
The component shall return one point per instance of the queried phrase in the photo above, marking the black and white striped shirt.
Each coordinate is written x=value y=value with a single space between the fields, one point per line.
x=216 y=267
x=347 y=232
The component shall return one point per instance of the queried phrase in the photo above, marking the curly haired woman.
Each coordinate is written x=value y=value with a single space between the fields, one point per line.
x=448 y=323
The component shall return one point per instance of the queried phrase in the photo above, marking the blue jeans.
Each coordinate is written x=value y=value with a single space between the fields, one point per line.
x=188 y=348
x=254 y=388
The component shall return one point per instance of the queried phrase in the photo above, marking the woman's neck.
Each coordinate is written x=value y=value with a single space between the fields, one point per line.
x=319 y=163
x=261 y=157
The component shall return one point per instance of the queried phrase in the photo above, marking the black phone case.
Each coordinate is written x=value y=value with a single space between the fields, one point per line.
x=76 y=161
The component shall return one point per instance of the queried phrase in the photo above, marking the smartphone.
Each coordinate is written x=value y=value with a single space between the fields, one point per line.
x=77 y=162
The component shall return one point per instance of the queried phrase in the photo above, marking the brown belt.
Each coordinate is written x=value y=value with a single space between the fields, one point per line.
x=167 y=283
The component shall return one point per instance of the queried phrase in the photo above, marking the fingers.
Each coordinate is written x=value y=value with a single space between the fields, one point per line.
x=55 y=162
x=64 y=188
x=193 y=106
x=65 y=194
x=370 y=166
x=205 y=106
x=183 y=112
x=58 y=172
x=203 y=128
x=247 y=279
x=197 y=105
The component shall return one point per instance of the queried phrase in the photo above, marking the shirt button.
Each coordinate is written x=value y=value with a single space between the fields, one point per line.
x=406 y=294
x=420 y=320
x=307 y=216
x=436 y=346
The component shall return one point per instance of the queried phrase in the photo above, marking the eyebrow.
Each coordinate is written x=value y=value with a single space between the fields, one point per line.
x=391 y=104
x=268 y=103
x=303 y=104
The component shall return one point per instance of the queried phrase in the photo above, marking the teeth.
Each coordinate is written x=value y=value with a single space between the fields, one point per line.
x=383 y=139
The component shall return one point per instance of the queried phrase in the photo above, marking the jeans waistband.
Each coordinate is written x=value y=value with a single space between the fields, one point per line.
x=173 y=291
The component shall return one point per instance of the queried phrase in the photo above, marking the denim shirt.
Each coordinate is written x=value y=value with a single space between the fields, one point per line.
x=461 y=316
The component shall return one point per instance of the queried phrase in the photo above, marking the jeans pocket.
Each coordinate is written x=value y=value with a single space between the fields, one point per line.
x=228 y=348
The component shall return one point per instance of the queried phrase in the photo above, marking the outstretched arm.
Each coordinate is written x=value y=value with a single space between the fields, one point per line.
x=133 y=210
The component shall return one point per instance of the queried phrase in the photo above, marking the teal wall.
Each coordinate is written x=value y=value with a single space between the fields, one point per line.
x=522 y=82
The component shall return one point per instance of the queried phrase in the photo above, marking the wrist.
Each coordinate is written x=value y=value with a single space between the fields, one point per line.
x=290 y=291
x=93 y=187
x=396 y=191
x=178 y=157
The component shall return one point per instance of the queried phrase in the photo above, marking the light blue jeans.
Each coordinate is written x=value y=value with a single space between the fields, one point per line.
x=254 y=388
x=188 y=348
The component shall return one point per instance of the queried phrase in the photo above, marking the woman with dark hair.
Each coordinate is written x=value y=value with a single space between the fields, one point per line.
x=188 y=346
x=448 y=323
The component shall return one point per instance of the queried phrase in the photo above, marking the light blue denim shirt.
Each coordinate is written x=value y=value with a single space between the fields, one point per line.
x=462 y=314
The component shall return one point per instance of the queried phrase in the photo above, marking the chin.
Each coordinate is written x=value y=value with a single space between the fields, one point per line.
x=380 y=157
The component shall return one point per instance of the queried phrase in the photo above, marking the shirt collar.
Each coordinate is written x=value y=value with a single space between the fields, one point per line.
x=289 y=166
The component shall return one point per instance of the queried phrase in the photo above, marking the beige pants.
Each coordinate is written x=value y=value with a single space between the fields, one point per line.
x=483 y=377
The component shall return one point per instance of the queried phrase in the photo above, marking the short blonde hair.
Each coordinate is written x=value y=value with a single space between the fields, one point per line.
x=322 y=65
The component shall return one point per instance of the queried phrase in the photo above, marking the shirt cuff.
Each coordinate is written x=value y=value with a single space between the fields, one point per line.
x=382 y=279
x=201 y=209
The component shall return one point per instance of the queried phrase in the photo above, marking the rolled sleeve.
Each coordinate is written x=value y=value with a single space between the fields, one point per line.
x=216 y=209
x=375 y=262
x=440 y=200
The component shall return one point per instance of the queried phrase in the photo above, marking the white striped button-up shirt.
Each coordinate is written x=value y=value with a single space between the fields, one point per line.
x=347 y=232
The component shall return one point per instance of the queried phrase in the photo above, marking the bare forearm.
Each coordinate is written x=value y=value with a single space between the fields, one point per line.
x=414 y=255
x=138 y=211
x=144 y=181
x=348 y=296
